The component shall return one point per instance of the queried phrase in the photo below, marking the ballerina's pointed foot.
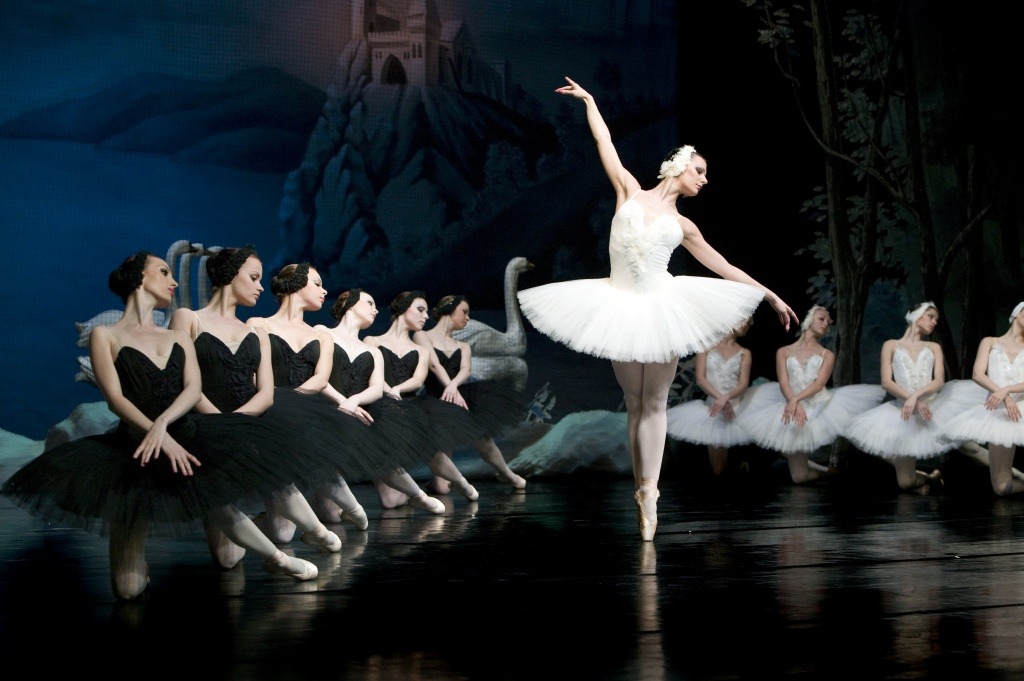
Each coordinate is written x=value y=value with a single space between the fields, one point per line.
x=356 y=516
x=325 y=539
x=427 y=503
x=518 y=482
x=283 y=564
x=465 y=489
x=647 y=512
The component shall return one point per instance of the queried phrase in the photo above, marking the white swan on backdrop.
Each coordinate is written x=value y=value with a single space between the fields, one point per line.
x=498 y=354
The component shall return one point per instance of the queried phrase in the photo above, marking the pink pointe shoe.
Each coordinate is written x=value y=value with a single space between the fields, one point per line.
x=328 y=540
x=518 y=482
x=647 y=526
x=283 y=564
x=356 y=516
x=427 y=503
x=465 y=489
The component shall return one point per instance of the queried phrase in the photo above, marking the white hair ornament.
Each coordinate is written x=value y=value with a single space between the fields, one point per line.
x=806 y=323
x=677 y=164
x=916 y=313
x=1016 y=311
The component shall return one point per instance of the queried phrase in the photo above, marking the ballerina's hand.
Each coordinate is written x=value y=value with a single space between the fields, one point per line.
x=572 y=89
x=150 y=446
x=1012 y=409
x=718 y=405
x=181 y=460
x=356 y=411
x=452 y=394
x=785 y=312
x=996 y=399
x=924 y=411
x=728 y=413
x=909 y=406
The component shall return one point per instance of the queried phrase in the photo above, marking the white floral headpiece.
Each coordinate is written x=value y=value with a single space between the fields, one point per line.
x=677 y=164
x=806 y=323
x=1016 y=311
x=916 y=313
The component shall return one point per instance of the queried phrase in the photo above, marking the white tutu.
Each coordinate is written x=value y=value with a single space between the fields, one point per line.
x=828 y=413
x=640 y=313
x=691 y=422
x=979 y=424
x=684 y=316
x=883 y=432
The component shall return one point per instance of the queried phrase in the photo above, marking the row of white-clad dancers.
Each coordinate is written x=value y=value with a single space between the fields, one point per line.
x=219 y=418
x=926 y=417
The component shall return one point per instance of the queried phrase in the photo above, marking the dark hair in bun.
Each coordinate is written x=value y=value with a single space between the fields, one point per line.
x=447 y=305
x=402 y=302
x=345 y=302
x=128 y=276
x=224 y=266
x=291 y=279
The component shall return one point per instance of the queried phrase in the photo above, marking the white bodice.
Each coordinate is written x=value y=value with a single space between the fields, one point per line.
x=639 y=253
x=1004 y=372
x=912 y=374
x=802 y=374
x=722 y=373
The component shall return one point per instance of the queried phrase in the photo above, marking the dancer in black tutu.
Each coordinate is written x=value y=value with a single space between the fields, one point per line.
x=406 y=366
x=497 y=405
x=302 y=359
x=163 y=467
x=234 y=360
x=357 y=382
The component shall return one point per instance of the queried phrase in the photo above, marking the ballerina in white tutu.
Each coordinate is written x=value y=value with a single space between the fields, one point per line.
x=999 y=369
x=641 y=317
x=798 y=414
x=723 y=373
x=908 y=429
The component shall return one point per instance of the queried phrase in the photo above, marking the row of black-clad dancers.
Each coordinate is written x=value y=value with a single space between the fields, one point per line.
x=218 y=416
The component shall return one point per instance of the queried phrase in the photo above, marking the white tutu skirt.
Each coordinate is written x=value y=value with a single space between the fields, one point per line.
x=978 y=424
x=883 y=432
x=828 y=414
x=690 y=422
x=672 y=317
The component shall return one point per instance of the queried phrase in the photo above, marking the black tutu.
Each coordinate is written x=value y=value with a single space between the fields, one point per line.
x=345 y=445
x=496 y=405
x=94 y=480
x=449 y=425
x=400 y=427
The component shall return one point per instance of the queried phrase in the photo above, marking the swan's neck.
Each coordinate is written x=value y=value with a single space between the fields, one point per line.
x=513 y=319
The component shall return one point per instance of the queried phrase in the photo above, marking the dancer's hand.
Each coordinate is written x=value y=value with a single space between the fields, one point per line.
x=785 y=312
x=151 y=443
x=924 y=410
x=572 y=89
x=718 y=405
x=181 y=460
x=794 y=413
x=451 y=394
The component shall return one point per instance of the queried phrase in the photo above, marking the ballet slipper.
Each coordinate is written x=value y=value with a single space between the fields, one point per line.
x=517 y=481
x=649 y=497
x=283 y=564
x=427 y=503
x=328 y=540
x=465 y=489
x=356 y=516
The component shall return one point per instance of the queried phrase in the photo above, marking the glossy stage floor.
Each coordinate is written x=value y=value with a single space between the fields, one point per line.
x=748 y=577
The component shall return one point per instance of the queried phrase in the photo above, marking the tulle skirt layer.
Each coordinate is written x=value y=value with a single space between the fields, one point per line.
x=677 y=317
x=341 y=444
x=449 y=426
x=883 y=432
x=978 y=424
x=496 y=405
x=690 y=422
x=828 y=414
x=95 y=480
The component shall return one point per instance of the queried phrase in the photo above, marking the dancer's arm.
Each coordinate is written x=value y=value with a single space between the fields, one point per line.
x=700 y=249
x=999 y=395
x=102 y=351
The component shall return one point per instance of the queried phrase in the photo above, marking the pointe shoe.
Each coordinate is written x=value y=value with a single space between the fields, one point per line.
x=937 y=483
x=518 y=482
x=283 y=564
x=356 y=516
x=427 y=503
x=465 y=489
x=330 y=541
x=647 y=527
